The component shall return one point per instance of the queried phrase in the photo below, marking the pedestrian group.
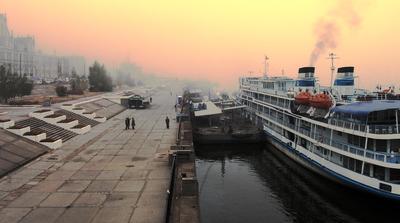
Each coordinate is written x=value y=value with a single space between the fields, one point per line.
x=131 y=122
x=128 y=123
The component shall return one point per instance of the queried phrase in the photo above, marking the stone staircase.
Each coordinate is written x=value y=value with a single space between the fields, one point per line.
x=82 y=119
x=51 y=128
x=103 y=107
x=52 y=131
x=63 y=120
x=78 y=110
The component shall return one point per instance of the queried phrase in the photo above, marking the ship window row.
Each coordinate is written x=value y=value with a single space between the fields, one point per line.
x=378 y=117
x=268 y=85
x=381 y=173
x=379 y=122
x=281 y=102
x=275 y=85
x=253 y=82
x=382 y=150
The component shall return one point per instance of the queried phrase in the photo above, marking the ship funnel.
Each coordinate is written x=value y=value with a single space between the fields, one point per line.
x=344 y=82
x=306 y=78
x=345 y=71
x=306 y=72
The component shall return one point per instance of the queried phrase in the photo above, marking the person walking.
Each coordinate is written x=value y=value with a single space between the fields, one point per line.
x=151 y=100
x=133 y=123
x=167 y=122
x=127 y=123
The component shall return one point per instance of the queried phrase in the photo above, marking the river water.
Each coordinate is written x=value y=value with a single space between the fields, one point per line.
x=250 y=183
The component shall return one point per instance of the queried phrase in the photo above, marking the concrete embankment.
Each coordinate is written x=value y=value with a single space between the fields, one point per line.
x=183 y=202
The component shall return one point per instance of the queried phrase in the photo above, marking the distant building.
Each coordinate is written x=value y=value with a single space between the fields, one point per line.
x=75 y=63
x=20 y=55
x=23 y=52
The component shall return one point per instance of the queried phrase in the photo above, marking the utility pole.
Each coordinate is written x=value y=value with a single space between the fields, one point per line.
x=20 y=64
x=332 y=57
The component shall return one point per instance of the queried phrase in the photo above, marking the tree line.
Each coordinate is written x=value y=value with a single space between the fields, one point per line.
x=98 y=81
x=13 y=85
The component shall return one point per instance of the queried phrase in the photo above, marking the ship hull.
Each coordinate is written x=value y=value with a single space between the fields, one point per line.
x=315 y=167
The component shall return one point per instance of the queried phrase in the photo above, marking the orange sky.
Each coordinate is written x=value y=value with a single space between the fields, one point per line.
x=217 y=40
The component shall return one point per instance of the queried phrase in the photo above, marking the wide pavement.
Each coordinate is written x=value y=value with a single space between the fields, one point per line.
x=107 y=175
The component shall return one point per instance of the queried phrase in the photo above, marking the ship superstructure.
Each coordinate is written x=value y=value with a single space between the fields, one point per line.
x=350 y=138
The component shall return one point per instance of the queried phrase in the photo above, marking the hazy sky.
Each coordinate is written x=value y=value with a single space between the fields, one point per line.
x=219 y=40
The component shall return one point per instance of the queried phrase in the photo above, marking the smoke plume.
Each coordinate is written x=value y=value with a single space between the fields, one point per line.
x=327 y=29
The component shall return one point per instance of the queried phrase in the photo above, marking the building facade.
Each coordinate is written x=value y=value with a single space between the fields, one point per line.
x=19 y=55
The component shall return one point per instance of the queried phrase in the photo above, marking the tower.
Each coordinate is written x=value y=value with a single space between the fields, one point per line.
x=266 y=66
x=4 y=31
x=5 y=43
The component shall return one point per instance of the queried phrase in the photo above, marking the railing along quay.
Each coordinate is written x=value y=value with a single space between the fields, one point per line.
x=183 y=202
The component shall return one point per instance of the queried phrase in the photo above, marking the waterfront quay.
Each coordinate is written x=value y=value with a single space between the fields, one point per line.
x=107 y=175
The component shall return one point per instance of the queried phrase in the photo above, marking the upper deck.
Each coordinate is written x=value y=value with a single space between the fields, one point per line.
x=280 y=86
x=378 y=118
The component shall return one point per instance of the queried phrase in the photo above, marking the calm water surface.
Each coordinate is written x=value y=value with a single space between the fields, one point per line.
x=248 y=184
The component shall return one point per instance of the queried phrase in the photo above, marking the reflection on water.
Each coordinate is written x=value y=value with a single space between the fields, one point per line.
x=248 y=184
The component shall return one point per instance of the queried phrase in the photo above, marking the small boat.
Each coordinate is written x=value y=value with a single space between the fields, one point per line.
x=303 y=98
x=321 y=100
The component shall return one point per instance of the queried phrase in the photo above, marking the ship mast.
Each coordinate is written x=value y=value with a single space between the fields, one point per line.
x=332 y=57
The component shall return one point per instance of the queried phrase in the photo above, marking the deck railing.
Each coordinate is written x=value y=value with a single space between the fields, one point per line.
x=381 y=156
x=383 y=129
x=279 y=104
x=375 y=129
x=348 y=125
x=371 y=128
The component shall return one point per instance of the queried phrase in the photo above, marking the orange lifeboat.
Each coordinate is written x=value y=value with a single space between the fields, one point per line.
x=388 y=90
x=303 y=98
x=321 y=101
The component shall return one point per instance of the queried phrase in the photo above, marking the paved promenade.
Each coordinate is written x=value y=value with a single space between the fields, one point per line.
x=107 y=175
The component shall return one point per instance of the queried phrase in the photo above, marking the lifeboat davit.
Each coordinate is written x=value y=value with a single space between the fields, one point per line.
x=321 y=101
x=303 y=98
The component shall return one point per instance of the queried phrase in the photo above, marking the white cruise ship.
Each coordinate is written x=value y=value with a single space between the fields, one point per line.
x=342 y=133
